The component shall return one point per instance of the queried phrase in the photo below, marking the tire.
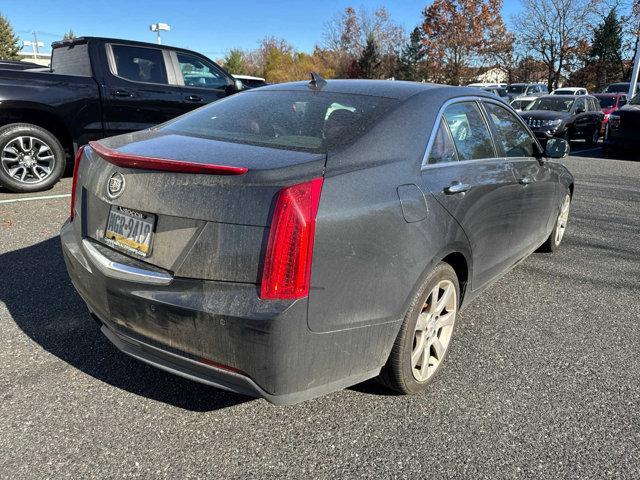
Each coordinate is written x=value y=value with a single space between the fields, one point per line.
x=593 y=138
x=31 y=158
x=400 y=373
x=557 y=234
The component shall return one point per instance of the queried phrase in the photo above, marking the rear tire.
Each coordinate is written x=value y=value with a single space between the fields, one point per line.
x=593 y=138
x=557 y=234
x=423 y=342
x=31 y=158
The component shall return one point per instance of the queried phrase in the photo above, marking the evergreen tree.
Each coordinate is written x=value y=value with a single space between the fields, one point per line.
x=70 y=35
x=606 y=50
x=369 y=61
x=235 y=62
x=9 y=46
x=411 y=56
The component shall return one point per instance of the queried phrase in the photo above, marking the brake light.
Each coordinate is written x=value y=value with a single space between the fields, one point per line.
x=287 y=265
x=128 y=160
x=76 y=164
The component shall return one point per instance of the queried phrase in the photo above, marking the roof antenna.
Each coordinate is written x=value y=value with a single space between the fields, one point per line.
x=317 y=81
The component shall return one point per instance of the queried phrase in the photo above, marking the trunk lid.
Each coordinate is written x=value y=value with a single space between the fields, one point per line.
x=205 y=225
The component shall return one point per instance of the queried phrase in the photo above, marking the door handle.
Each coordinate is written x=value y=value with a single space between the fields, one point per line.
x=456 y=187
x=122 y=93
x=525 y=181
x=193 y=98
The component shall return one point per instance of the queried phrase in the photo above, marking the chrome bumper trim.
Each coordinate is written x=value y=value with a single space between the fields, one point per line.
x=121 y=271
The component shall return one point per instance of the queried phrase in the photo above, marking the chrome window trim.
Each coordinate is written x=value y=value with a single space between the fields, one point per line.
x=477 y=100
x=113 y=69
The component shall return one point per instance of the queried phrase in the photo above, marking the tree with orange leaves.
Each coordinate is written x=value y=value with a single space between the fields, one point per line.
x=459 y=34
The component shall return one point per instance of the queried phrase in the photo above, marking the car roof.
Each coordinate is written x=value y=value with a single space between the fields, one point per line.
x=86 y=39
x=400 y=90
x=525 y=97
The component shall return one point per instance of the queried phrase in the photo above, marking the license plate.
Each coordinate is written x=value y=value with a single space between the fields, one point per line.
x=130 y=230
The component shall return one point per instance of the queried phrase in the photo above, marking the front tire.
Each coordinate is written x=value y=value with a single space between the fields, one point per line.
x=557 y=234
x=422 y=344
x=31 y=158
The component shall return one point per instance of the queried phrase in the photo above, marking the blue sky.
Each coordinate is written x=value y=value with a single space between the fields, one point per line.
x=203 y=25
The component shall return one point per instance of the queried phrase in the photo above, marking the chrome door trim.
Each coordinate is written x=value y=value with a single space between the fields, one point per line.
x=469 y=98
x=120 y=271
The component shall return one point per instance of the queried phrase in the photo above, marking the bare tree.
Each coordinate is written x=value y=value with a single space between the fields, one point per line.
x=553 y=30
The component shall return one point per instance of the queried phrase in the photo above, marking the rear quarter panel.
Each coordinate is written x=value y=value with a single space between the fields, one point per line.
x=368 y=260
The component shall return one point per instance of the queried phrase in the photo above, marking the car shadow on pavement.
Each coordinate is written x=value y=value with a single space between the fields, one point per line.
x=37 y=291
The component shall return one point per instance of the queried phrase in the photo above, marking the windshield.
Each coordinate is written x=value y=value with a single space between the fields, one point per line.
x=552 y=104
x=563 y=92
x=617 y=88
x=291 y=120
x=516 y=88
x=606 y=102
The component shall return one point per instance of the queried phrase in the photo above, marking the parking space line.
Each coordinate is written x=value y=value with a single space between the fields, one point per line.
x=586 y=150
x=28 y=199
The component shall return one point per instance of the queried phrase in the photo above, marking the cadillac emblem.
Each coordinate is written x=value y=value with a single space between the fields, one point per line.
x=115 y=185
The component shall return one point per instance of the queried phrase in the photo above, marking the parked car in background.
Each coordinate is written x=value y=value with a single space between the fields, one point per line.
x=609 y=103
x=497 y=91
x=236 y=245
x=487 y=85
x=96 y=87
x=570 y=91
x=521 y=103
x=251 y=82
x=565 y=116
x=623 y=128
x=620 y=88
x=526 y=89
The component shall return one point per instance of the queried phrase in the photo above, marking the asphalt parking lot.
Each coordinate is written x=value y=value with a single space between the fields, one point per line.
x=543 y=379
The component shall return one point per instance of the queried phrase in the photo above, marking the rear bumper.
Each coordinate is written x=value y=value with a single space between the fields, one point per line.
x=221 y=333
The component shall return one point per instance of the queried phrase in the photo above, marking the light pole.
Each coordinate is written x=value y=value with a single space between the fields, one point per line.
x=635 y=71
x=34 y=45
x=157 y=27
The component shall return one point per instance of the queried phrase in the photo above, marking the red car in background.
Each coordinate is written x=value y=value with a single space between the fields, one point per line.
x=609 y=103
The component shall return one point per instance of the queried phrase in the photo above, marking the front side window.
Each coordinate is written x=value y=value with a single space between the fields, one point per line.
x=198 y=73
x=515 y=139
x=580 y=106
x=442 y=150
x=139 y=64
x=469 y=131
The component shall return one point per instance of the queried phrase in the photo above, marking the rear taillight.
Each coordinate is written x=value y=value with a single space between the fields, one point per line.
x=79 y=154
x=287 y=264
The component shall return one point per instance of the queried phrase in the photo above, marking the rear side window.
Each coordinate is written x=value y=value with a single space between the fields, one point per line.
x=516 y=141
x=139 y=64
x=469 y=131
x=292 y=120
x=198 y=73
x=442 y=150
x=71 y=60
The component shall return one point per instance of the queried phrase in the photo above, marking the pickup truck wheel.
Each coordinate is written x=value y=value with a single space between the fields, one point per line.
x=423 y=342
x=31 y=158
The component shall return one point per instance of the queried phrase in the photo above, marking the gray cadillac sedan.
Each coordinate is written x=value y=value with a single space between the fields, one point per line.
x=300 y=238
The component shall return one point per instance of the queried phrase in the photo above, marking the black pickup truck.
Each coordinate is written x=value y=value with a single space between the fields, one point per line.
x=95 y=88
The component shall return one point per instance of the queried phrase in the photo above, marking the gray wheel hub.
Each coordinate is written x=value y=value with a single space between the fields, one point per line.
x=27 y=159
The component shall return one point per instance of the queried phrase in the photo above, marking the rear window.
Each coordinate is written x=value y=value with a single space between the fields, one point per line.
x=71 y=60
x=292 y=120
x=607 y=102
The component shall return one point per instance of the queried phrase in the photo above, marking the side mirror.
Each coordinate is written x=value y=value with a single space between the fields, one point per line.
x=556 y=148
x=235 y=87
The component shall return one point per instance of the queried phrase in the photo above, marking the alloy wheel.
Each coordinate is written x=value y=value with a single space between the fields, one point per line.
x=563 y=218
x=433 y=330
x=27 y=159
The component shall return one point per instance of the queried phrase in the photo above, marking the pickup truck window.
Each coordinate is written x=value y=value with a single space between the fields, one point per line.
x=197 y=73
x=71 y=60
x=139 y=64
